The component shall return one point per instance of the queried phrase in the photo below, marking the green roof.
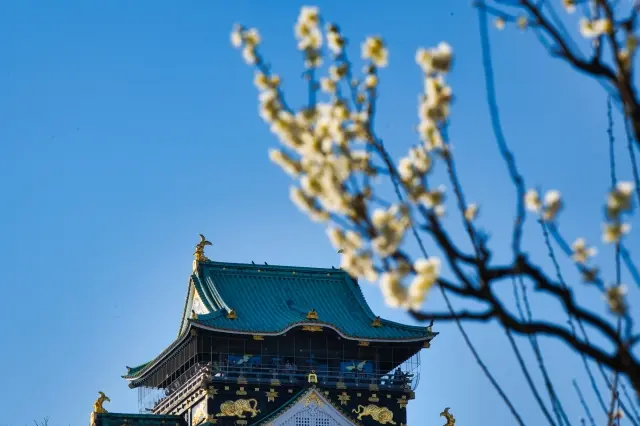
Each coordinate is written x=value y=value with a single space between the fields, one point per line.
x=269 y=300
x=272 y=299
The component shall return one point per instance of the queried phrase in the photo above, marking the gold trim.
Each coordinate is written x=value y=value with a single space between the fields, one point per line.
x=242 y=380
x=258 y=337
x=312 y=315
x=373 y=387
x=426 y=345
x=313 y=398
x=312 y=328
x=374 y=398
x=341 y=385
x=363 y=343
x=232 y=314
x=241 y=391
x=376 y=322
x=275 y=382
x=312 y=377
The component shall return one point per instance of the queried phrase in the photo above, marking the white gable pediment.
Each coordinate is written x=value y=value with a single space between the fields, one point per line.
x=312 y=409
x=194 y=305
x=197 y=305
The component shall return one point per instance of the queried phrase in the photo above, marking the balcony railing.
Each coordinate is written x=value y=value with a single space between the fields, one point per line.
x=330 y=377
x=160 y=399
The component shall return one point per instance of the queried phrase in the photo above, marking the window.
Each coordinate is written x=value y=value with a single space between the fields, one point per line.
x=314 y=417
x=303 y=420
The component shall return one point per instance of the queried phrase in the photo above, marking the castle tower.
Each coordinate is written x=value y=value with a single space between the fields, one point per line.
x=277 y=345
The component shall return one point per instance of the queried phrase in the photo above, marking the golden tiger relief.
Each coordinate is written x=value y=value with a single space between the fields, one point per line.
x=238 y=408
x=380 y=414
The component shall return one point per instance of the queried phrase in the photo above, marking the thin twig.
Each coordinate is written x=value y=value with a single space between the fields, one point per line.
x=507 y=155
x=584 y=404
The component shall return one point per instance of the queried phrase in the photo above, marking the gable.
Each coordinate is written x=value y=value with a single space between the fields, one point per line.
x=194 y=304
x=312 y=409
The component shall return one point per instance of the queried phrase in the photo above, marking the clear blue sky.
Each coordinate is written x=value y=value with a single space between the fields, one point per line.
x=127 y=128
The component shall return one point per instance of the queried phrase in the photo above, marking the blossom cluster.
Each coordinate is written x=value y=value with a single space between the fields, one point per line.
x=590 y=27
x=618 y=204
x=328 y=146
x=547 y=208
x=595 y=27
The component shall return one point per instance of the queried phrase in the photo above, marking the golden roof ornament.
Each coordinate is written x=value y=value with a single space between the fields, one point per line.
x=451 y=421
x=98 y=408
x=376 y=322
x=430 y=327
x=232 y=314
x=199 y=253
x=312 y=377
x=312 y=315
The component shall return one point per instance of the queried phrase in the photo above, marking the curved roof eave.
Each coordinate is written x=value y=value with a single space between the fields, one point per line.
x=194 y=323
x=160 y=356
x=312 y=323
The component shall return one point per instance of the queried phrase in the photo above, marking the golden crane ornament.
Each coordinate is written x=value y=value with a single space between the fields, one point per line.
x=451 y=421
x=98 y=408
x=199 y=253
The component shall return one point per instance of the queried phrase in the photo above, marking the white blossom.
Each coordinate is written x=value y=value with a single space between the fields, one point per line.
x=581 y=252
x=373 y=49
